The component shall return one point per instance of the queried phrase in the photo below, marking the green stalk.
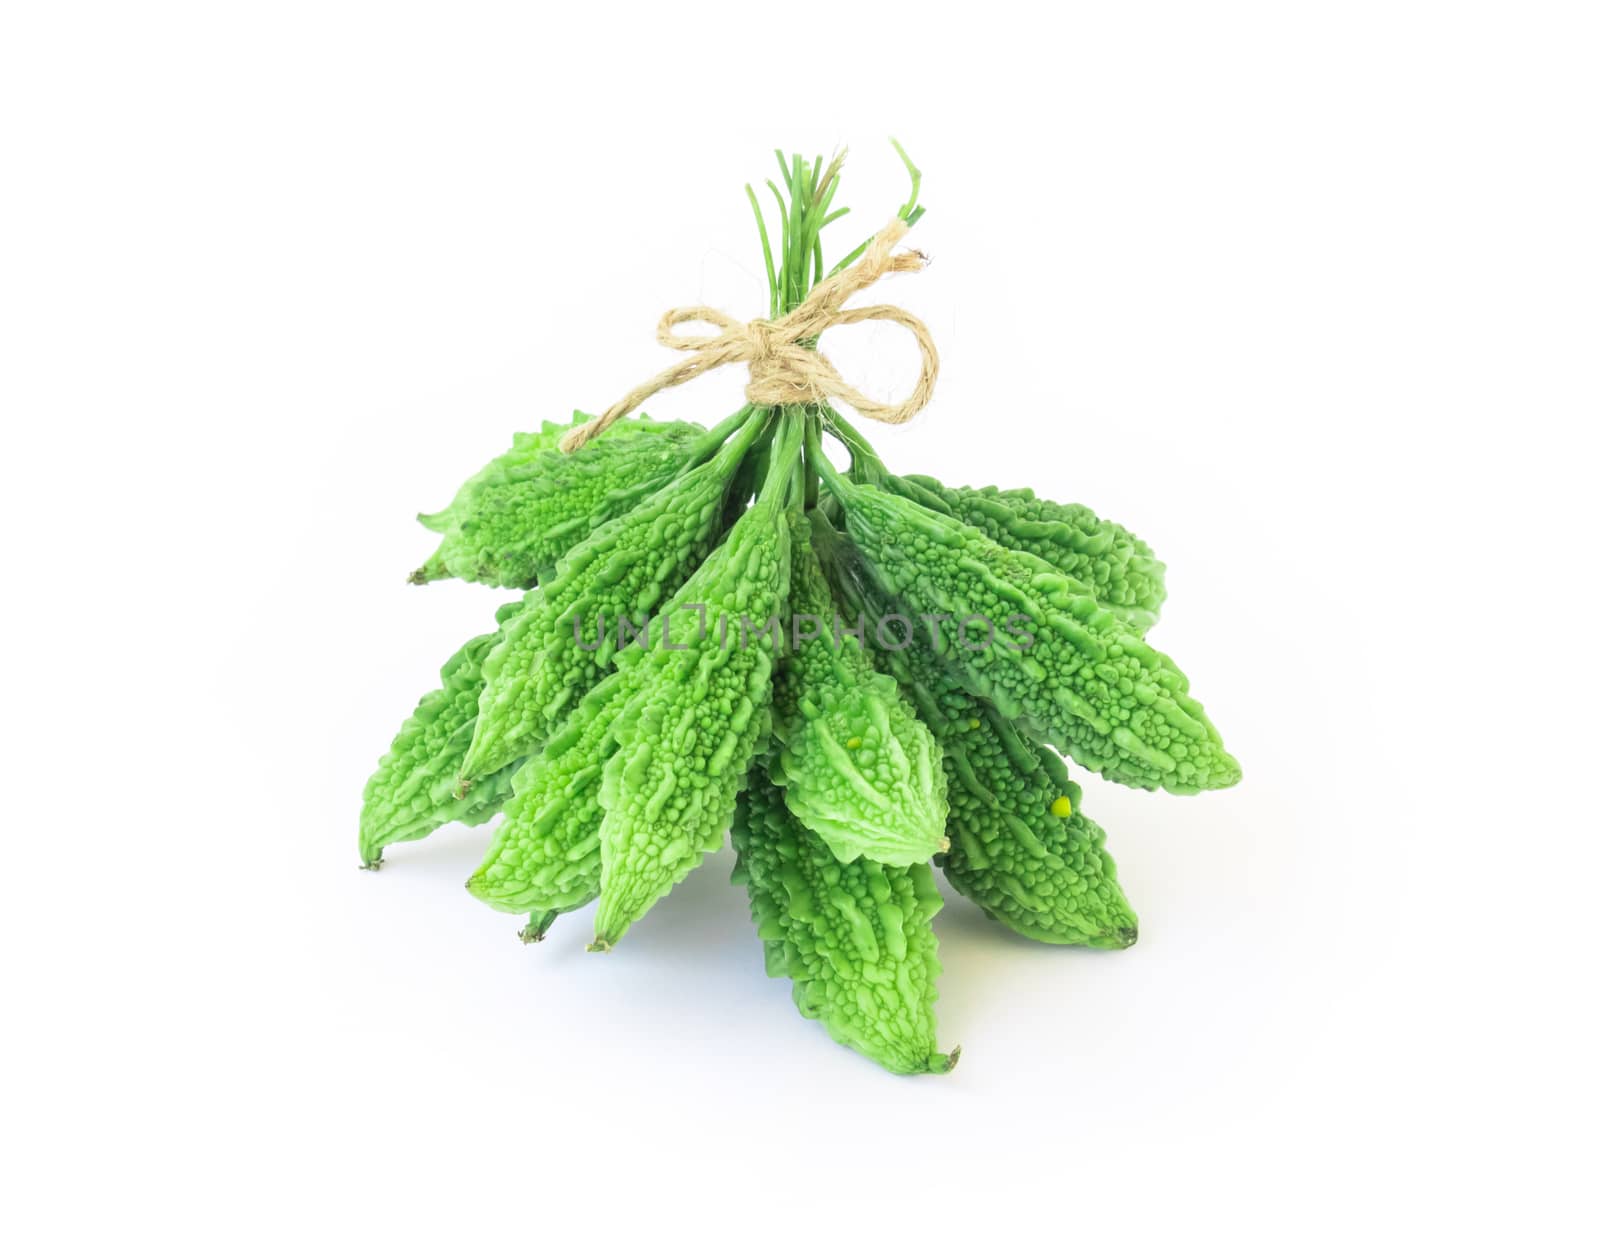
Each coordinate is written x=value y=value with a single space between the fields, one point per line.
x=865 y=464
x=818 y=461
x=805 y=208
x=715 y=438
x=811 y=487
x=784 y=455
x=909 y=212
x=867 y=467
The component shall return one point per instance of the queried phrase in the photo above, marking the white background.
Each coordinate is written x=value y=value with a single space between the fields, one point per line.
x=1306 y=294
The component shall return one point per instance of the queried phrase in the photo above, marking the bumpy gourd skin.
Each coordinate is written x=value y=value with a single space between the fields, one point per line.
x=525 y=446
x=1086 y=683
x=857 y=766
x=413 y=790
x=1020 y=846
x=546 y=661
x=1044 y=877
x=1116 y=566
x=855 y=937
x=690 y=731
x=518 y=518
x=546 y=854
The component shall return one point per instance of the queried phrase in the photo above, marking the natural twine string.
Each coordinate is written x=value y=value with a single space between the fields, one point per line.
x=783 y=370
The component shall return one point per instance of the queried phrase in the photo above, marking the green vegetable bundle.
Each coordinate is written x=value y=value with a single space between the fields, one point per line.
x=863 y=675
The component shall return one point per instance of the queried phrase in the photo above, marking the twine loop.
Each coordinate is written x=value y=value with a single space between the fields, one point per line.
x=785 y=366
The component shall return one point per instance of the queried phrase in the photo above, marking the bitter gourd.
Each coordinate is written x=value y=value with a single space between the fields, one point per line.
x=702 y=709
x=619 y=765
x=854 y=937
x=857 y=766
x=413 y=791
x=525 y=446
x=545 y=858
x=1117 y=567
x=567 y=632
x=1044 y=876
x=1042 y=649
x=514 y=520
x=1020 y=844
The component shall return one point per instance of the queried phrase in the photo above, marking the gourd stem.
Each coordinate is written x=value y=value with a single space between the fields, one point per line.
x=804 y=203
x=718 y=435
x=808 y=498
x=865 y=464
x=735 y=450
x=760 y=454
x=799 y=481
x=825 y=543
x=805 y=207
x=909 y=212
x=766 y=253
x=819 y=462
x=785 y=454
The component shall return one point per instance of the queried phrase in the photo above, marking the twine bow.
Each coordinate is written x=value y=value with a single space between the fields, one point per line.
x=785 y=367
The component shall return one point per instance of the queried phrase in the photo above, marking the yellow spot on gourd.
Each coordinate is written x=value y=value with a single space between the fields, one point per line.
x=1061 y=807
x=853 y=743
x=974 y=724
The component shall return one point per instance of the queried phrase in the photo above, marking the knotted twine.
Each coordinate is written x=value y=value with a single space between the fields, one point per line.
x=785 y=366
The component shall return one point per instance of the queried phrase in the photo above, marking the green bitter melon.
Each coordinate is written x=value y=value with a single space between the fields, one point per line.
x=567 y=633
x=545 y=859
x=514 y=519
x=1020 y=844
x=619 y=769
x=854 y=937
x=413 y=791
x=1047 y=654
x=856 y=765
x=1117 y=567
x=701 y=711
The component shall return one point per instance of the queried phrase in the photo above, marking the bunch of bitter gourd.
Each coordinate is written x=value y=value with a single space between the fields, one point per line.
x=865 y=676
